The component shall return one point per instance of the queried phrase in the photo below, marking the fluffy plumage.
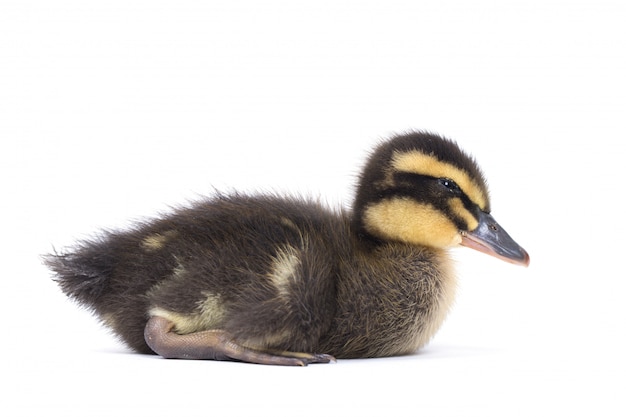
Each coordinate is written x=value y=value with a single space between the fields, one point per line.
x=281 y=280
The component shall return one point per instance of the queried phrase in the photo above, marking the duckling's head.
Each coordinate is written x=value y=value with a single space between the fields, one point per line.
x=422 y=189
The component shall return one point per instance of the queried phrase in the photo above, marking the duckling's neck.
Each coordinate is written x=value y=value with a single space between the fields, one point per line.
x=392 y=298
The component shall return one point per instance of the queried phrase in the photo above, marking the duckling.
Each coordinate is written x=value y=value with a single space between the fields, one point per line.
x=286 y=281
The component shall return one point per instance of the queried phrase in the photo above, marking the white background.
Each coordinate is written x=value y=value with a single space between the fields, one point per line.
x=112 y=111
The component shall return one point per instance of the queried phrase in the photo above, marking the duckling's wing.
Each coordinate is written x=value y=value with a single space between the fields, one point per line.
x=262 y=271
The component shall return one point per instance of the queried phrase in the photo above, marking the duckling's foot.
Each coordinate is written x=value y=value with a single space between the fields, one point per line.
x=217 y=345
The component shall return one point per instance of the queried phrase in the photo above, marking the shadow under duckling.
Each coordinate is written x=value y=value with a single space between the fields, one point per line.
x=286 y=281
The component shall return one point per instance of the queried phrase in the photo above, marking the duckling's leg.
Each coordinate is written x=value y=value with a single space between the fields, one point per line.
x=218 y=345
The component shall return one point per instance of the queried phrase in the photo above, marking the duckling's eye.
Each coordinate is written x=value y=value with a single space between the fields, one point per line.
x=450 y=185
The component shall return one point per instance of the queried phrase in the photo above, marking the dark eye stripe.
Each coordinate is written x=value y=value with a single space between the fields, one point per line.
x=450 y=184
x=406 y=184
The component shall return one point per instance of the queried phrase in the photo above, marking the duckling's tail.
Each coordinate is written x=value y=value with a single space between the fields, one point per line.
x=82 y=275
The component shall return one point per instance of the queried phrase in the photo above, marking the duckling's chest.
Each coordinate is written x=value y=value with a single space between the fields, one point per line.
x=395 y=305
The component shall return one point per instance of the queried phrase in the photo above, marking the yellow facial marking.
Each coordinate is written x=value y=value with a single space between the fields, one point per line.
x=284 y=269
x=209 y=315
x=459 y=209
x=411 y=222
x=419 y=163
x=157 y=241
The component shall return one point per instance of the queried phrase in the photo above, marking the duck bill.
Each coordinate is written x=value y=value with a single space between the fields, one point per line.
x=490 y=238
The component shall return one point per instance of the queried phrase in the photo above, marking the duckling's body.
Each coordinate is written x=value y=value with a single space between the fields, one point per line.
x=287 y=281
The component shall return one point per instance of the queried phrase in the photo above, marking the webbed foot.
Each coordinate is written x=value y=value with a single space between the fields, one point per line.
x=217 y=345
